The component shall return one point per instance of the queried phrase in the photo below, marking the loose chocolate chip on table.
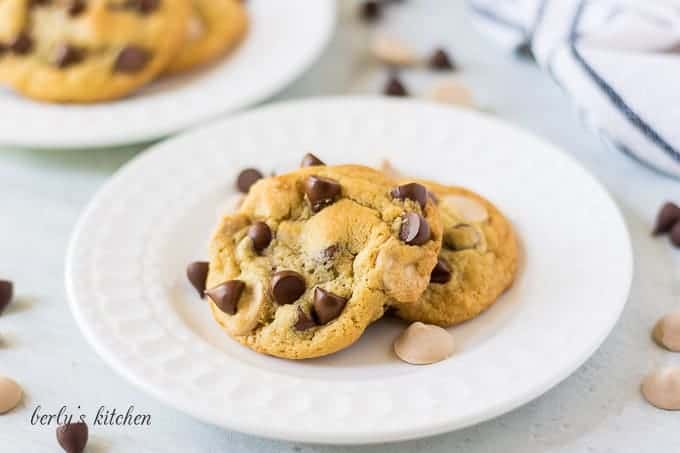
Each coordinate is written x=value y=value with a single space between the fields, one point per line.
x=66 y=55
x=441 y=273
x=371 y=10
x=321 y=191
x=668 y=216
x=414 y=229
x=197 y=272
x=412 y=191
x=22 y=44
x=131 y=59
x=304 y=321
x=6 y=294
x=525 y=51
x=287 y=287
x=226 y=295
x=327 y=306
x=675 y=235
x=261 y=235
x=76 y=8
x=310 y=160
x=73 y=437
x=394 y=87
x=247 y=178
x=440 y=61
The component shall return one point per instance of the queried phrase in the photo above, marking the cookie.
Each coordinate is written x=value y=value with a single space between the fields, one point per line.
x=477 y=263
x=312 y=257
x=87 y=50
x=215 y=27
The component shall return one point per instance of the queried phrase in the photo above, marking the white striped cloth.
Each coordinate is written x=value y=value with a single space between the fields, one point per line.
x=619 y=60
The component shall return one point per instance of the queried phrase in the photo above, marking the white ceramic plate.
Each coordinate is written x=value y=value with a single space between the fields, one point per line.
x=285 y=37
x=126 y=282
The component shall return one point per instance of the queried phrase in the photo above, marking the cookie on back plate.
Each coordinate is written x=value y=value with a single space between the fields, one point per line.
x=215 y=27
x=313 y=257
x=87 y=50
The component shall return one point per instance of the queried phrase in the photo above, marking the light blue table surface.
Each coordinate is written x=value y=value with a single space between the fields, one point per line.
x=598 y=409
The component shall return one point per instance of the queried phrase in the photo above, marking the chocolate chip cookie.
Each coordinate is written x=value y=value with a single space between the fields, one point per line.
x=477 y=262
x=215 y=27
x=312 y=258
x=87 y=50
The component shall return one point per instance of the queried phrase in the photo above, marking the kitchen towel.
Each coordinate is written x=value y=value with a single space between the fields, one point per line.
x=619 y=60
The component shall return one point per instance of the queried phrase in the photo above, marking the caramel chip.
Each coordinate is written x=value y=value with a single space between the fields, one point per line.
x=661 y=388
x=423 y=344
x=226 y=295
x=327 y=306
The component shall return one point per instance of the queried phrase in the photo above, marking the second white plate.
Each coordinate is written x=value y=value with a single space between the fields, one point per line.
x=125 y=275
x=283 y=40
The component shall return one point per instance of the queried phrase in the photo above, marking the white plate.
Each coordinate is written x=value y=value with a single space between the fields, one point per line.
x=285 y=37
x=125 y=275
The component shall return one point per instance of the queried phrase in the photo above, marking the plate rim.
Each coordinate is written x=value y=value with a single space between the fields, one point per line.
x=119 y=367
x=160 y=134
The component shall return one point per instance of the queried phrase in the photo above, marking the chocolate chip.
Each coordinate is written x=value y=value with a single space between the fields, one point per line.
x=675 y=235
x=140 y=6
x=310 y=160
x=76 y=8
x=414 y=229
x=461 y=237
x=321 y=191
x=441 y=272
x=394 y=87
x=261 y=235
x=226 y=295
x=287 y=287
x=247 y=178
x=6 y=294
x=440 y=61
x=131 y=59
x=370 y=10
x=327 y=306
x=304 y=321
x=66 y=55
x=668 y=216
x=22 y=44
x=412 y=191
x=40 y=2
x=197 y=273
x=146 y=6
x=3 y=49
x=329 y=252
x=72 y=437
